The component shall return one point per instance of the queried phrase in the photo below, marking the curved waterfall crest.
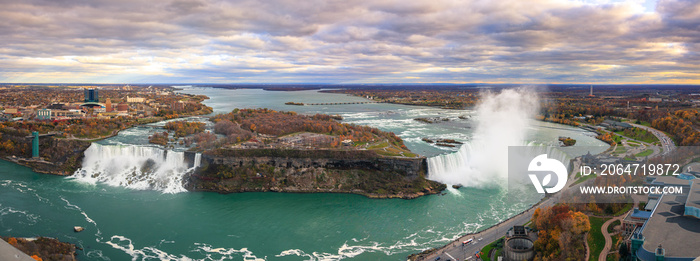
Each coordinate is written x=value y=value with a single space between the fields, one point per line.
x=136 y=167
x=502 y=119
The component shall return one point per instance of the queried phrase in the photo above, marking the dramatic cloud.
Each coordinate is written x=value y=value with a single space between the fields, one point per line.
x=388 y=41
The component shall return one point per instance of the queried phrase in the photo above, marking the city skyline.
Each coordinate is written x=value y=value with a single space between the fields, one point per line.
x=351 y=42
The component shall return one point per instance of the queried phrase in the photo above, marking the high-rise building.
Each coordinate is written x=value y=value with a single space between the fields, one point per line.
x=91 y=95
x=108 y=104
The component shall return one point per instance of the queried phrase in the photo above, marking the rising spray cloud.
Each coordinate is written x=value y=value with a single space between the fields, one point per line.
x=503 y=119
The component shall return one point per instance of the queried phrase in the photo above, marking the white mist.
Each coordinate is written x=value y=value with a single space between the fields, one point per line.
x=503 y=119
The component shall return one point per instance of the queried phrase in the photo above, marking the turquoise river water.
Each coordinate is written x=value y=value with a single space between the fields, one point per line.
x=151 y=218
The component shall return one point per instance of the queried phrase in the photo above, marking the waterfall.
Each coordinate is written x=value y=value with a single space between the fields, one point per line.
x=469 y=167
x=503 y=119
x=135 y=167
x=197 y=160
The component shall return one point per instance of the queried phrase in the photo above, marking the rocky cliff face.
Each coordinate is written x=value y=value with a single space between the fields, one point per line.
x=58 y=156
x=298 y=171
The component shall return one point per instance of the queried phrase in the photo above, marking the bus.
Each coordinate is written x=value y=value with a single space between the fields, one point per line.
x=468 y=241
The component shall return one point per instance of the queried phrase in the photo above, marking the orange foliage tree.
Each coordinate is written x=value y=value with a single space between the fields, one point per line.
x=561 y=231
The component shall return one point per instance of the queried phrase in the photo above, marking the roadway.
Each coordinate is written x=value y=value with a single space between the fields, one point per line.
x=455 y=250
x=666 y=142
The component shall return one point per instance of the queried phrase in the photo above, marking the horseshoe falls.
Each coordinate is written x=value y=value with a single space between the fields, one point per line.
x=502 y=119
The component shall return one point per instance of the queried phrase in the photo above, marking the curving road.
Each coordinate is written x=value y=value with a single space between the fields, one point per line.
x=666 y=142
x=455 y=251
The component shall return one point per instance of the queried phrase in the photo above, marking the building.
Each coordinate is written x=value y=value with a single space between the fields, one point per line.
x=11 y=111
x=692 y=203
x=135 y=99
x=518 y=245
x=672 y=231
x=91 y=95
x=122 y=107
x=43 y=114
x=57 y=106
x=615 y=125
x=635 y=219
x=108 y=105
x=66 y=114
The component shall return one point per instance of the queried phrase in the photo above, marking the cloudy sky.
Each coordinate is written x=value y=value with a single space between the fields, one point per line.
x=346 y=41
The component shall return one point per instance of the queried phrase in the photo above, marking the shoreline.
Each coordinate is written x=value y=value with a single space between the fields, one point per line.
x=321 y=191
x=423 y=255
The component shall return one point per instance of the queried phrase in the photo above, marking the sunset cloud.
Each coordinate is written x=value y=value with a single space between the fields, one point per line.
x=284 y=41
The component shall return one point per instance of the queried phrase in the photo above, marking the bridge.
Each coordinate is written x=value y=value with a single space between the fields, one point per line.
x=42 y=135
x=331 y=103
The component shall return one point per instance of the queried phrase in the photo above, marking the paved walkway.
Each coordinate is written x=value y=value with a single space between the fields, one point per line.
x=608 y=238
x=10 y=253
x=588 y=248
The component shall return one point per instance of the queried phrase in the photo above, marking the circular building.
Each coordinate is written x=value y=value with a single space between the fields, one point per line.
x=519 y=248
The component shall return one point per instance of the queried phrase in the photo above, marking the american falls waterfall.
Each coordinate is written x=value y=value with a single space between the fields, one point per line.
x=502 y=119
x=136 y=167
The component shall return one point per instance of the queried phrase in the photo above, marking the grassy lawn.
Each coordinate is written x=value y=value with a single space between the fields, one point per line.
x=583 y=178
x=498 y=253
x=361 y=143
x=386 y=149
x=596 y=241
x=645 y=153
x=617 y=138
x=379 y=145
x=488 y=248
x=619 y=150
x=639 y=134
x=412 y=155
x=624 y=210
x=611 y=228
x=642 y=204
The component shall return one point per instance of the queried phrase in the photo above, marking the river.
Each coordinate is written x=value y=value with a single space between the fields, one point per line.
x=126 y=222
